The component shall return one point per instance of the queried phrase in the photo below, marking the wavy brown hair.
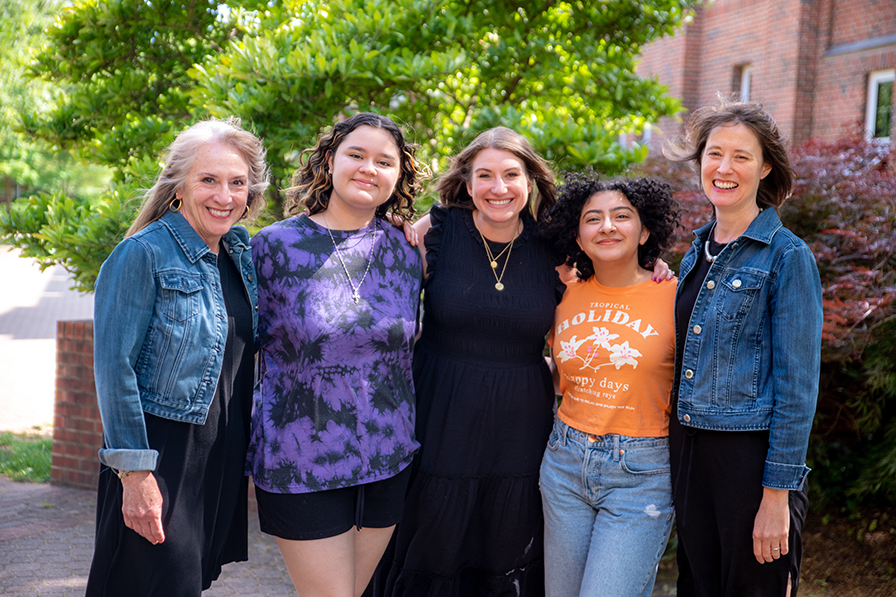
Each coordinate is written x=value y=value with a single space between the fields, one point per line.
x=312 y=183
x=179 y=159
x=452 y=186
x=775 y=188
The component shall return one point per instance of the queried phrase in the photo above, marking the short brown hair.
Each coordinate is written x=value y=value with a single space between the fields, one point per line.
x=775 y=188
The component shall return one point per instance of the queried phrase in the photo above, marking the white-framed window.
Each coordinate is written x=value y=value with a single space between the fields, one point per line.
x=746 y=73
x=879 y=110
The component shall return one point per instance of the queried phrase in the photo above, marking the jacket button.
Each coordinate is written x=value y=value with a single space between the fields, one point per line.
x=249 y=278
x=687 y=418
x=697 y=329
x=689 y=374
x=736 y=283
x=710 y=285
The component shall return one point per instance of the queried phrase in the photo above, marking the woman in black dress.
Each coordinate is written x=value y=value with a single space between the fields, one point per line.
x=472 y=523
x=174 y=343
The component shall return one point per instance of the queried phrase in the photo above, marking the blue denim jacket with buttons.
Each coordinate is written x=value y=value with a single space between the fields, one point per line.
x=160 y=325
x=752 y=354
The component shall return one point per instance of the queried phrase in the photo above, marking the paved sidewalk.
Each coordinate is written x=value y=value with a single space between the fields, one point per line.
x=31 y=303
x=46 y=543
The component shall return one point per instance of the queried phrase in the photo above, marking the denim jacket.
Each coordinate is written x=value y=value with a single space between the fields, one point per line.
x=160 y=325
x=752 y=355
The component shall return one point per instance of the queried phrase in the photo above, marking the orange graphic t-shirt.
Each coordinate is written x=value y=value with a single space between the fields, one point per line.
x=615 y=351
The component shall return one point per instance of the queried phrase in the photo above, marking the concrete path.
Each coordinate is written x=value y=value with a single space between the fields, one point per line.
x=31 y=302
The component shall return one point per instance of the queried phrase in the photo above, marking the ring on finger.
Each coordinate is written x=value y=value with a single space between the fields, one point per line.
x=776 y=549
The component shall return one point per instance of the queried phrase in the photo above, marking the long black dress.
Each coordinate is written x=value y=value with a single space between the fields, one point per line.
x=472 y=523
x=200 y=476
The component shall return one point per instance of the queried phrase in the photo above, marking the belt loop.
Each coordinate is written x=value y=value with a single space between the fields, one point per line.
x=565 y=433
x=616 y=448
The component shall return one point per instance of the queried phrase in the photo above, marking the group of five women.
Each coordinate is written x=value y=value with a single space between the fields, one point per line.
x=697 y=392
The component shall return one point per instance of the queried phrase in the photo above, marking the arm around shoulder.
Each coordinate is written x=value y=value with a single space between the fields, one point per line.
x=422 y=226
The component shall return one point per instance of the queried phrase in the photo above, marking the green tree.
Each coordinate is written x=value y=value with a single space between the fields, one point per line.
x=562 y=73
x=134 y=72
x=25 y=161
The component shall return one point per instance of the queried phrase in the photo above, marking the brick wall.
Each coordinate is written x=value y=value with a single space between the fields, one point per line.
x=77 y=430
x=799 y=71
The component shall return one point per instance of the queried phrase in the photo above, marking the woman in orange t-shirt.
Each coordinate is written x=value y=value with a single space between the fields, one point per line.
x=605 y=479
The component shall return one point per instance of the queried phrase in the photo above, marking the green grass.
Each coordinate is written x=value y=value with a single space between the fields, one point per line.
x=25 y=457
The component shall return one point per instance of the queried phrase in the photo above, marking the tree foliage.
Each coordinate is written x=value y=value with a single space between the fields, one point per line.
x=24 y=160
x=562 y=73
x=132 y=73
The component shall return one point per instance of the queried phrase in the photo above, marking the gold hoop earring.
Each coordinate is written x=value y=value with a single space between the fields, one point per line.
x=245 y=213
x=175 y=204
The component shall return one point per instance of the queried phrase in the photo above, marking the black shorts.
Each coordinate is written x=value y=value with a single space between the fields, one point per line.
x=322 y=514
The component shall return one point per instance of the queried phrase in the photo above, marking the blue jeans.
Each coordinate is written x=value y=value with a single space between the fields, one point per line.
x=607 y=512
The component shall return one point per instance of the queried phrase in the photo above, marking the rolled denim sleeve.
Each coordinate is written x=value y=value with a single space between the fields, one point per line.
x=796 y=321
x=123 y=307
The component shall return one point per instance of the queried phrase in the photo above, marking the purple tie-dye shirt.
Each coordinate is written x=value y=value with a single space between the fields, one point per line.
x=335 y=403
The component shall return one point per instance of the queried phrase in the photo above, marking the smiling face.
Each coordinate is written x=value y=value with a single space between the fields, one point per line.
x=365 y=169
x=216 y=191
x=731 y=167
x=610 y=231
x=499 y=186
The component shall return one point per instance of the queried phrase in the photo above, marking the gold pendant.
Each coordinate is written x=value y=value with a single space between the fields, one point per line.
x=499 y=286
x=494 y=264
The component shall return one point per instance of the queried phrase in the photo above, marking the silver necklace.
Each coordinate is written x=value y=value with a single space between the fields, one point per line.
x=355 y=294
x=709 y=256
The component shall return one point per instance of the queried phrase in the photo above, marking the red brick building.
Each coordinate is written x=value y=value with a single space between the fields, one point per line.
x=822 y=67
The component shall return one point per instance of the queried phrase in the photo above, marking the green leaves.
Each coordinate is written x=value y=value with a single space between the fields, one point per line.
x=133 y=73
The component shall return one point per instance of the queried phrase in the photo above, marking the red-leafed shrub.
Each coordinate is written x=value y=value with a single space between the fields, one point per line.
x=844 y=207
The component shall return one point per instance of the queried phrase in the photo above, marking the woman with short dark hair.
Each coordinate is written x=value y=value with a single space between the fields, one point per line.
x=748 y=325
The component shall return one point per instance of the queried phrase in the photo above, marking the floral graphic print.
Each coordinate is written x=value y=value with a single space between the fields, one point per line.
x=619 y=354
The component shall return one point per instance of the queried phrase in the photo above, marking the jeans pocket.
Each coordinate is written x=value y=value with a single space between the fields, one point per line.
x=646 y=461
x=555 y=439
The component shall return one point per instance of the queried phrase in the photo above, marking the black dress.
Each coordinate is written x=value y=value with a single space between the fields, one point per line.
x=200 y=477
x=472 y=523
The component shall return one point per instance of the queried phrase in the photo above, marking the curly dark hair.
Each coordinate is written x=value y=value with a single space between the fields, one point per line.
x=312 y=183
x=728 y=111
x=650 y=197
x=452 y=186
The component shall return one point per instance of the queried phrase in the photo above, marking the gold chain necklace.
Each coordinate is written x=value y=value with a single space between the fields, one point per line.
x=493 y=260
x=355 y=295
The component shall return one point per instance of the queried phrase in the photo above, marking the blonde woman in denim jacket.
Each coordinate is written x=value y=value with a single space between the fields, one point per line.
x=174 y=336
x=748 y=327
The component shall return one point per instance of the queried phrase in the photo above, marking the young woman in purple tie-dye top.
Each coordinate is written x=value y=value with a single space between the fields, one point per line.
x=333 y=426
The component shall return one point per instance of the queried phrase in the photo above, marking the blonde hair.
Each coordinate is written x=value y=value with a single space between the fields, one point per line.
x=179 y=159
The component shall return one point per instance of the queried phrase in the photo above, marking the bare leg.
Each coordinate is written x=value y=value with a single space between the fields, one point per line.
x=370 y=544
x=339 y=566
